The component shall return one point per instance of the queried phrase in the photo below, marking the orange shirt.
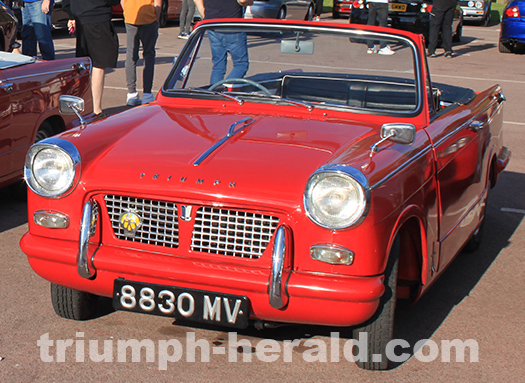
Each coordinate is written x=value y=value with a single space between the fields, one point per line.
x=139 y=12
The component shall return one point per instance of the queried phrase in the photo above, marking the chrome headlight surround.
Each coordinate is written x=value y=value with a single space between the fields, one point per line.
x=52 y=167
x=337 y=197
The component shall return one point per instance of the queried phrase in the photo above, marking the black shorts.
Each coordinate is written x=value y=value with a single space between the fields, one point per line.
x=99 y=41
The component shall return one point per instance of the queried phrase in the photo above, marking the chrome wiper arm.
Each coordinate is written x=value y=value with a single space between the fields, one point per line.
x=231 y=132
x=298 y=103
x=213 y=93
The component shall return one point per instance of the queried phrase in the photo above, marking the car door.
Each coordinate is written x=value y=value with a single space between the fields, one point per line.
x=460 y=138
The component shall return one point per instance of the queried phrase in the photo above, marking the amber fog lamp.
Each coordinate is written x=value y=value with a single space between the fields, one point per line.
x=334 y=255
x=51 y=219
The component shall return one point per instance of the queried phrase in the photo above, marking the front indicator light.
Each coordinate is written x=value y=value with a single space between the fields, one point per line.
x=51 y=219
x=334 y=255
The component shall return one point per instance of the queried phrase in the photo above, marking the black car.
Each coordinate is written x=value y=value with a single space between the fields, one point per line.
x=8 y=26
x=408 y=15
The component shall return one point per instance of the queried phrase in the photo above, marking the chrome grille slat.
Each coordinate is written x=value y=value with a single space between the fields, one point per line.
x=160 y=225
x=232 y=232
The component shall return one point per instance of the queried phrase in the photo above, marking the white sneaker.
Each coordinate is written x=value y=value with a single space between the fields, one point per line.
x=147 y=98
x=386 y=51
x=371 y=50
x=133 y=99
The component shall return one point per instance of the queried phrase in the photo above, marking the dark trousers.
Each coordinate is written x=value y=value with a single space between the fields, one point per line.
x=441 y=20
x=379 y=10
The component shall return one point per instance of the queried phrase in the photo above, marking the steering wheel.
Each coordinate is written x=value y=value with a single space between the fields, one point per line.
x=241 y=80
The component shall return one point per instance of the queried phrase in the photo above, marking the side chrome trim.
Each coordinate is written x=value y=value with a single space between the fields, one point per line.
x=84 y=265
x=277 y=294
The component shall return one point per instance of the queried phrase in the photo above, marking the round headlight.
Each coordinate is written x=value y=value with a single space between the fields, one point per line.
x=336 y=198
x=470 y=3
x=479 y=4
x=51 y=168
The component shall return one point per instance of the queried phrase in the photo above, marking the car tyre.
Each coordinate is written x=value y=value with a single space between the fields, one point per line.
x=380 y=328
x=163 y=19
x=310 y=13
x=505 y=47
x=475 y=241
x=44 y=131
x=459 y=32
x=282 y=14
x=72 y=304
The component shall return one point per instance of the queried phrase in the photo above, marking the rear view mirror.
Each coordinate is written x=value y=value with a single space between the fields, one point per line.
x=297 y=47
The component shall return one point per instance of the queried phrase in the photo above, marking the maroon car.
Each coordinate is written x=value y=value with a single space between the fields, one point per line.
x=29 y=100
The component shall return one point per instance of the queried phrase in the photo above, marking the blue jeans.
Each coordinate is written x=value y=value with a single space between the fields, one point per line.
x=36 y=27
x=221 y=44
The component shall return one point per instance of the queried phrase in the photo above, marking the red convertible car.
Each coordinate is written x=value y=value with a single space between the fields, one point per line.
x=29 y=101
x=296 y=183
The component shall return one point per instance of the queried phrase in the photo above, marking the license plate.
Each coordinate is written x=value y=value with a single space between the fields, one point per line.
x=181 y=303
x=397 y=7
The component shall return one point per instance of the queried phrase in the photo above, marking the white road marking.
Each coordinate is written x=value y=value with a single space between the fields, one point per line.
x=511 y=210
x=479 y=79
x=514 y=123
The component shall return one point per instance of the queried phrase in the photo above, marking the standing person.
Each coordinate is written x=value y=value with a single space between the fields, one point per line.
x=141 y=18
x=36 y=27
x=96 y=38
x=379 y=9
x=441 y=19
x=186 y=18
x=318 y=10
x=221 y=44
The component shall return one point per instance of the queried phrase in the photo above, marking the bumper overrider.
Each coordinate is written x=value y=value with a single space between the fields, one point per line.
x=277 y=295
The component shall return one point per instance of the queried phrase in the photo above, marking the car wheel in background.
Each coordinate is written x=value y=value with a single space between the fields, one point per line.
x=44 y=131
x=310 y=13
x=459 y=32
x=505 y=47
x=282 y=14
x=163 y=19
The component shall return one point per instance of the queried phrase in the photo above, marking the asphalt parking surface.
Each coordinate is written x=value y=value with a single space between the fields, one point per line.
x=480 y=297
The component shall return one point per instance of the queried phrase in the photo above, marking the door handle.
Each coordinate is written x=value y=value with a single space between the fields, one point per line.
x=7 y=87
x=476 y=126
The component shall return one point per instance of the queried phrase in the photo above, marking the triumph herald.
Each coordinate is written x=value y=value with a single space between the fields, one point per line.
x=294 y=179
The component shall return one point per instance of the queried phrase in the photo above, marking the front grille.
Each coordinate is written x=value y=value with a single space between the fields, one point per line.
x=231 y=232
x=159 y=220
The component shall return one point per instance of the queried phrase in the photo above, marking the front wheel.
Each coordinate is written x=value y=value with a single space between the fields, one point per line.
x=163 y=19
x=379 y=329
x=72 y=304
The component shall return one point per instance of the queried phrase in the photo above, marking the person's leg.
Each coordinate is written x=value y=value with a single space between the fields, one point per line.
x=42 y=25
x=382 y=17
x=219 y=56
x=372 y=13
x=28 y=32
x=435 y=25
x=183 y=15
x=237 y=44
x=97 y=87
x=148 y=35
x=132 y=56
x=447 y=29
x=189 y=17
